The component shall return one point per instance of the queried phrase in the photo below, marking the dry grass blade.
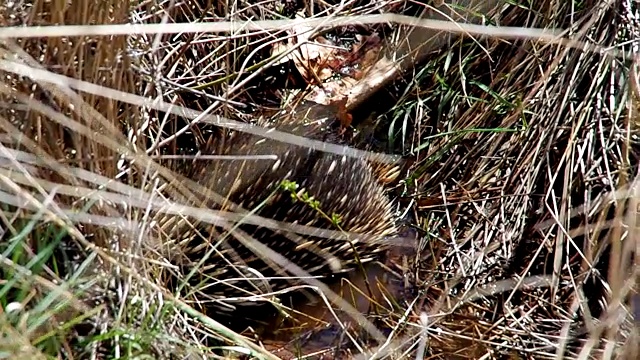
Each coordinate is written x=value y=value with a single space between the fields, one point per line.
x=538 y=143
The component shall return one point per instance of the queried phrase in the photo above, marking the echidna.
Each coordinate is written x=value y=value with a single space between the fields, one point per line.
x=345 y=186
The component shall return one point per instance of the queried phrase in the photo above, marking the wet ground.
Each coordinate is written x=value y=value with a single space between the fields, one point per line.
x=319 y=331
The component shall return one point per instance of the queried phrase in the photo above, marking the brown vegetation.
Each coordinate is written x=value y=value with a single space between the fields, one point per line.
x=518 y=178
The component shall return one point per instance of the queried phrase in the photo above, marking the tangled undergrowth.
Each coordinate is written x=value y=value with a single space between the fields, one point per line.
x=520 y=177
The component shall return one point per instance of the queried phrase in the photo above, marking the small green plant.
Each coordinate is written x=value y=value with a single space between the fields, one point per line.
x=304 y=197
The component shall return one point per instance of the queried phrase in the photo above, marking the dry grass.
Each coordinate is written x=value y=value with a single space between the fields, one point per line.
x=523 y=186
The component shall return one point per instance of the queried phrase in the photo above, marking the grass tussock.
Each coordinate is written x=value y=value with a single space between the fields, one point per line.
x=521 y=182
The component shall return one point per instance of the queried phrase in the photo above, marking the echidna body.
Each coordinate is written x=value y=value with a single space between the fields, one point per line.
x=343 y=185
